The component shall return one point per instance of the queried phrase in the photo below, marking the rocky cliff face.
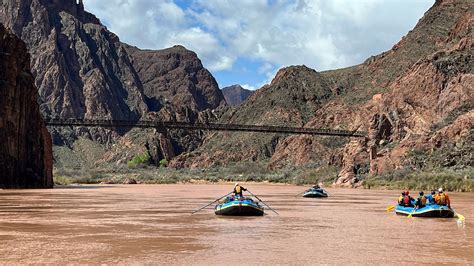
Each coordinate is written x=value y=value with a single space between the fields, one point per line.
x=294 y=94
x=404 y=98
x=174 y=76
x=82 y=70
x=235 y=94
x=25 y=153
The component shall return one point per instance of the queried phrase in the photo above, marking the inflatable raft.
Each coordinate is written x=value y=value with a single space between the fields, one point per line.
x=430 y=210
x=315 y=193
x=239 y=207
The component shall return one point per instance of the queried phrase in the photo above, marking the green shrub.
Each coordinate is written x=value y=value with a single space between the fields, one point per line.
x=450 y=180
x=163 y=163
x=139 y=160
x=62 y=180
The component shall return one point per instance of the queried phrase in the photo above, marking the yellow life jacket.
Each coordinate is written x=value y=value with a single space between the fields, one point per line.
x=400 y=199
x=238 y=189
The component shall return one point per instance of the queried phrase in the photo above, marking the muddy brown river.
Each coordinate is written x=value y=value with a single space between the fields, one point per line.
x=152 y=224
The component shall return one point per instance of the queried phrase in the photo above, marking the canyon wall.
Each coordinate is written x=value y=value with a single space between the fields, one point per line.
x=26 y=149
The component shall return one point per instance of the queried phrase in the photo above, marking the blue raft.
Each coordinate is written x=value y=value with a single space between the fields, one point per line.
x=239 y=207
x=315 y=193
x=430 y=210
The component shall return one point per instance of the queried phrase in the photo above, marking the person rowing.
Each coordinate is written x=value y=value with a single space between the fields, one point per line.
x=238 y=189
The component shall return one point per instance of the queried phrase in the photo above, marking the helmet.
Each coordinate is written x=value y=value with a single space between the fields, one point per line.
x=403 y=193
x=407 y=192
x=440 y=189
x=422 y=193
x=433 y=191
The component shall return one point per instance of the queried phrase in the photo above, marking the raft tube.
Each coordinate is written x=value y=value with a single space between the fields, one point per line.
x=315 y=193
x=431 y=210
x=239 y=207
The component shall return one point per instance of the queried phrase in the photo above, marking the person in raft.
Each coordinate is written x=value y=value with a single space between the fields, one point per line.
x=400 y=199
x=407 y=200
x=421 y=201
x=442 y=198
x=238 y=189
x=431 y=197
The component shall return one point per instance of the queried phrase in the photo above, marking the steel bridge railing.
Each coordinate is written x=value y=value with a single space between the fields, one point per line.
x=202 y=126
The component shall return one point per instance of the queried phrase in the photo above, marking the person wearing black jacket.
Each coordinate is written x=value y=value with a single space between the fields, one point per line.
x=238 y=189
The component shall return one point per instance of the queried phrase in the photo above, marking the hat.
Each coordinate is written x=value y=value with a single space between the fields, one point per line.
x=236 y=184
x=440 y=189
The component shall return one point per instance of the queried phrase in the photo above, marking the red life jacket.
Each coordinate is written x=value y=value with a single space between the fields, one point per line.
x=406 y=200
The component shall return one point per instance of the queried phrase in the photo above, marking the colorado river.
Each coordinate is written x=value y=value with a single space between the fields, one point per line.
x=152 y=224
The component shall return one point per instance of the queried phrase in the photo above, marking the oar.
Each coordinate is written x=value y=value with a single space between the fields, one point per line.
x=390 y=208
x=262 y=202
x=411 y=214
x=211 y=203
x=300 y=193
x=459 y=216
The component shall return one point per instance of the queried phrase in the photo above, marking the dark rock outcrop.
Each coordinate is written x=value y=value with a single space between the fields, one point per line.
x=25 y=152
x=80 y=68
x=235 y=95
x=175 y=77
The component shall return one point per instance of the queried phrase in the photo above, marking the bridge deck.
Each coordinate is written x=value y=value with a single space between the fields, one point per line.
x=202 y=126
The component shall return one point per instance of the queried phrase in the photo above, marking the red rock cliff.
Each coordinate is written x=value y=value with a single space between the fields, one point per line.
x=25 y=152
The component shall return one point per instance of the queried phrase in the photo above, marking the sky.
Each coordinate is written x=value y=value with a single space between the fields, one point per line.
x=246 y=41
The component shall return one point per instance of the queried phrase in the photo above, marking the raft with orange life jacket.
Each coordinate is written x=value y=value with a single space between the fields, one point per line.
x=430 y=210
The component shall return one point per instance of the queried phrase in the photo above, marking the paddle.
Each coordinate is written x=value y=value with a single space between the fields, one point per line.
x=411 y=214
x=212 y=202
x=459 y=216
x=262 y=202
x=390 y=208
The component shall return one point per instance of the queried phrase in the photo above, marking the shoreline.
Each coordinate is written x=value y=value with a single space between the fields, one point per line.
x=452 y=180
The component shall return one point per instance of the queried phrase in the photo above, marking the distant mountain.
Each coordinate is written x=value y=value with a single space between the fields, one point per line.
x=26 y=153
x=235 y=94
x=82 y=70
x=417 y=96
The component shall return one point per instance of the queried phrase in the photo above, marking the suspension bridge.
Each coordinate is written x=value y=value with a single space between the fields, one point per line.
x=166 y=125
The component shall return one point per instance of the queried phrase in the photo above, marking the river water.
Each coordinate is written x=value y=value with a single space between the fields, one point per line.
x=152 y=224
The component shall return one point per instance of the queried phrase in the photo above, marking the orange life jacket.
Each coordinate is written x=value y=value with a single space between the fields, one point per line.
x=442 y=199
x=423 y=200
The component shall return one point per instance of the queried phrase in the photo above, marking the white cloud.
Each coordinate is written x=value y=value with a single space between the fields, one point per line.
x=248 y=87
x=322 y=34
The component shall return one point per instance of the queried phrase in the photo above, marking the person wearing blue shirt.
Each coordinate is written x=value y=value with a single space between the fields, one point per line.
x=431 y=198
